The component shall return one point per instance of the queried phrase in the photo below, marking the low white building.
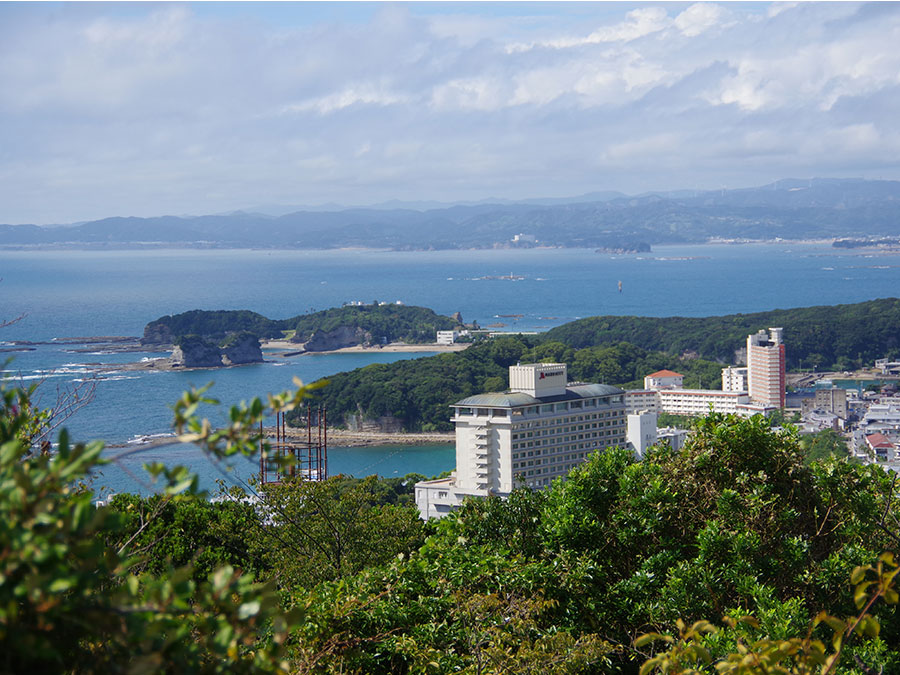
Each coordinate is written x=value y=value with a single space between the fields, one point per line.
x=538 y=430
x=674 y=438
x=447 y=337
x=662 y=379
x=880 y=448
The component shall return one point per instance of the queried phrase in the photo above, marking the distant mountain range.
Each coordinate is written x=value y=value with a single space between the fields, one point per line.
x=787 y=209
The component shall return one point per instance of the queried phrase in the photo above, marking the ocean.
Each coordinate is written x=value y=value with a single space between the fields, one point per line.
x=101 y=293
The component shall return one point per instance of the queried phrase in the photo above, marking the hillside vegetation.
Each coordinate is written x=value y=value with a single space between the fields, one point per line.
x=829 y=337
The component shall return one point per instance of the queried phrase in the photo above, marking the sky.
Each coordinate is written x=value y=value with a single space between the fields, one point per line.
x=144 y=109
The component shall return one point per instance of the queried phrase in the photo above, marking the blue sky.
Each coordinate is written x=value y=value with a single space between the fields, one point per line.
x=191 y=108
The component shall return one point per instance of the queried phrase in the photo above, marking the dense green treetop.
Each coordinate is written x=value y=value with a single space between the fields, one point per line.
x=385 y=323
x=827 y=337
x=217 y=324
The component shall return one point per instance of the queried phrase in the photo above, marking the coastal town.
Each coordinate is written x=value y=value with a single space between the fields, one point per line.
x=543 y=426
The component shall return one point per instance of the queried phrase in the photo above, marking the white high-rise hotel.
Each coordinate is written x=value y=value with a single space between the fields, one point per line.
x=765 y=367
x=539 y=429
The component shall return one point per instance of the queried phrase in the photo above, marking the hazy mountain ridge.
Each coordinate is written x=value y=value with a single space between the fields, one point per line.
x=789 y=209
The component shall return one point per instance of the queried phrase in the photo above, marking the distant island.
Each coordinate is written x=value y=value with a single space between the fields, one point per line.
x=788 y=209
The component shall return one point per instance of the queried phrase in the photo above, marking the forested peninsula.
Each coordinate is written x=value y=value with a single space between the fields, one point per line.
x=333 y=328
x=617 y=350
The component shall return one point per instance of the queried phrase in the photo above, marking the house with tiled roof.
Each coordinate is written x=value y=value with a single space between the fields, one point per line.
x=663 y=379
x=881 y=447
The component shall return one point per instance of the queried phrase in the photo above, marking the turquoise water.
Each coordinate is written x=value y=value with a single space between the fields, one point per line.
x=87 y=293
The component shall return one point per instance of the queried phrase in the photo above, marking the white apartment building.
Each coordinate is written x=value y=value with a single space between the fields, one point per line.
x=734 y=378
x=699 y=402
x=637 y=400
x=882 y=418
x=540 y=429
x=766 y=367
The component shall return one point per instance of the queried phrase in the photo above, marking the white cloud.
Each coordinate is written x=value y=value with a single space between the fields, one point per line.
x=699 y=18
x=638 y=23
x=163 y=30
x=364 y=93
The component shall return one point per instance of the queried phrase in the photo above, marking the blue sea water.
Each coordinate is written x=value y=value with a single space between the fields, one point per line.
x=92 y=293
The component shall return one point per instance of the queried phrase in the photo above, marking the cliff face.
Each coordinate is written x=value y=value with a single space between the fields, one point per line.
x=193 y=351
x=243 y=348
x=340 y=337
x=157 y=334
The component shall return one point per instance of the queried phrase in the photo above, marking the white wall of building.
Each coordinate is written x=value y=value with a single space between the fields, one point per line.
x=642 y=399
x=663 y=378
x=700 y=402
x=734 y=378
x=447 y=337
x=539 y=379
x=641 y=432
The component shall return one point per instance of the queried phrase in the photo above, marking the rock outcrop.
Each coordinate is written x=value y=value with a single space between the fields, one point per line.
x=192 y=351
x=157 y=333
x=340 y=337
x=241 y=348
x=385 y=425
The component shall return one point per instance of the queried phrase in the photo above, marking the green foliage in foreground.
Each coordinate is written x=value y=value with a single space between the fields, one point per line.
x=419 y=391
x=838 y=337
x=71 y=603
x=560 y=581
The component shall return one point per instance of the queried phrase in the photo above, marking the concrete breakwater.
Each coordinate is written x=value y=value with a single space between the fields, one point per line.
x=341 y=438
x=363 y=439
